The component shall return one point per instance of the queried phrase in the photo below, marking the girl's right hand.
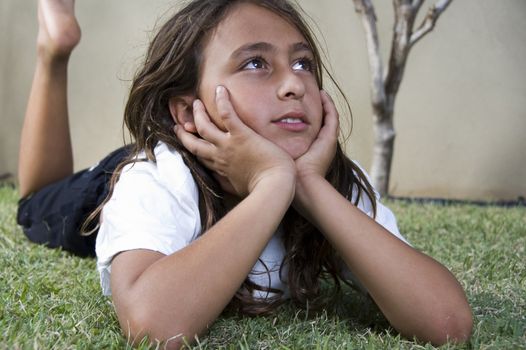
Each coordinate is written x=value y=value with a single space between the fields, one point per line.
x=240 y=155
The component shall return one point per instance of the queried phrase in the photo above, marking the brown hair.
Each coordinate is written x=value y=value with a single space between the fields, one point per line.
x=171 y=69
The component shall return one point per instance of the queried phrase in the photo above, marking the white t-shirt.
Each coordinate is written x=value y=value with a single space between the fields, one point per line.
x=155 y=206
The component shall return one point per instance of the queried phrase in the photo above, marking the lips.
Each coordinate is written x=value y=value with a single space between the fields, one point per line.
x=292 y=122
x=291 y=118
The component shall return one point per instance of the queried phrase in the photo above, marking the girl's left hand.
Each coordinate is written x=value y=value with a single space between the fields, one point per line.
x=318 y=158
x=314 y=164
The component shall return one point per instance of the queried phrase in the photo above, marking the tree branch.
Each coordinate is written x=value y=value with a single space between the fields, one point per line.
x=366 y=10
x=429 y=22
x=416 y=4
x=400 y=47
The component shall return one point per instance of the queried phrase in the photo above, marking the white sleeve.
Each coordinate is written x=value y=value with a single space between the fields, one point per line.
x=386 y=218
x=143 y=214
x=384 y=215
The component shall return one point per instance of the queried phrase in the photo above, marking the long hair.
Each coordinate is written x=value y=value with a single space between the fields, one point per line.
x=171 y=69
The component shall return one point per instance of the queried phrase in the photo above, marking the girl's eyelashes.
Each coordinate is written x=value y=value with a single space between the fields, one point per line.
x=304 y=63
x=254 y=63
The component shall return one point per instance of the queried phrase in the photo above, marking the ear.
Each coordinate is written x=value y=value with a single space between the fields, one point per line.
x=182 y=111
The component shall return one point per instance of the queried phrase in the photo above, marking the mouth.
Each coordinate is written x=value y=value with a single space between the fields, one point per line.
x=292 y=122
x=291 y=118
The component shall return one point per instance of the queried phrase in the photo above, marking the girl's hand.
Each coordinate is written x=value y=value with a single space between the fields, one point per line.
x=318 y=158
x=240 y=155
x=315 y=163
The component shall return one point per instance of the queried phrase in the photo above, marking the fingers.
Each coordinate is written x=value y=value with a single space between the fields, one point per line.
x=226 y=110
x=331 y=120
x=202 y=137
x=203 y=125
x=212 y=165
x=205 y=151
x=197 y=146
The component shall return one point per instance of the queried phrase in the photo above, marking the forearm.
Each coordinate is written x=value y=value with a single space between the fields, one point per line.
x=45 y=146
x=184 y=293
x=417 y=295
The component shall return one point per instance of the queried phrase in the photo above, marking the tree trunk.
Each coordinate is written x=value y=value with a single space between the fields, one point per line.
x=384 y=89
x=383 y=149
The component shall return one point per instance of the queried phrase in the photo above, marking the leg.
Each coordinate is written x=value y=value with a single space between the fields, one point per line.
x=45 y=148
x=54 y=214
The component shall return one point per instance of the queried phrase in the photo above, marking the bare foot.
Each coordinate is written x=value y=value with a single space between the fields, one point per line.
x=59 y=31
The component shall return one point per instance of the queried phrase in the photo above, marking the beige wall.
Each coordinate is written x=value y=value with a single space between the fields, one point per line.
x=460 y=114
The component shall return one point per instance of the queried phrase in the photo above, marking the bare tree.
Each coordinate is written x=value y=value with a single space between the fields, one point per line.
x=386 y=82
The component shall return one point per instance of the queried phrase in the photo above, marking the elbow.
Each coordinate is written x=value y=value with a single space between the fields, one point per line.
x=144 y=326
x=452 y=327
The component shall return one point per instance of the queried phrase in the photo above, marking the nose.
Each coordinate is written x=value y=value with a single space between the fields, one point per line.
x=291 y=86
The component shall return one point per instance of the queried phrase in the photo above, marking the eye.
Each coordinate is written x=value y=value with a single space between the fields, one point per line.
x=305 y=64
x=254 y=63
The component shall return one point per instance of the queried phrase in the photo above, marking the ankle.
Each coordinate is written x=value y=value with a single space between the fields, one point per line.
x=52 y=63
x=52 y=59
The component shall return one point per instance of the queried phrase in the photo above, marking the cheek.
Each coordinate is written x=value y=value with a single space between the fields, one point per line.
x=247 y=109
x=317 y=110
x=248 y=102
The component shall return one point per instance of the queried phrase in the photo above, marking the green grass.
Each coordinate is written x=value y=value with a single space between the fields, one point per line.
x=50 y=299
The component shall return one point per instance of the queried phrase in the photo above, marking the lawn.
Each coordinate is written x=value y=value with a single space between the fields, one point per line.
x=52 y=300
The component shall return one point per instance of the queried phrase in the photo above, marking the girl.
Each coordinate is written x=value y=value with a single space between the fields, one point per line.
x=236 y=190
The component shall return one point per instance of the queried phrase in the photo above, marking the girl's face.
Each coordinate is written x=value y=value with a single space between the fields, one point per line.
x=267 y=66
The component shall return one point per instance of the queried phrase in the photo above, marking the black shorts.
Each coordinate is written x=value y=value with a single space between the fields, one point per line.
x=54 y=215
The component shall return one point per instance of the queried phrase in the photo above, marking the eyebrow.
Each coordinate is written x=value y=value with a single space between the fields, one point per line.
x=267 y=47
x=301 y=46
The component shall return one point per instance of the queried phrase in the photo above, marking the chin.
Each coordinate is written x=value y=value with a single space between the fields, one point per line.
x=296 y=151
